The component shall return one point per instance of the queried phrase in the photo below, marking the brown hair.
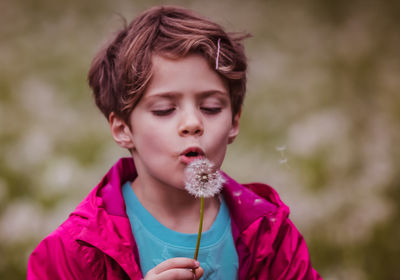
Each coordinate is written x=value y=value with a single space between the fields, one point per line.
x=120 y=73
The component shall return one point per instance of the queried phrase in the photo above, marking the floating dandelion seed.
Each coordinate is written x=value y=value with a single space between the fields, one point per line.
x=202 y=180
x=280 y=148
x=283 y=159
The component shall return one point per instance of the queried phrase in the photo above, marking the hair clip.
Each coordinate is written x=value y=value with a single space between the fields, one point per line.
x=218 y=49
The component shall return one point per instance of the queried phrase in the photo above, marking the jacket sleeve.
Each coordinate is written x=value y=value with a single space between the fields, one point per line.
x=58 y=257
x=291 y=260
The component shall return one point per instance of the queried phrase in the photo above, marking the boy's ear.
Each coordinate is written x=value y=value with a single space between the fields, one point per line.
x=235 y=128
x=121 y=132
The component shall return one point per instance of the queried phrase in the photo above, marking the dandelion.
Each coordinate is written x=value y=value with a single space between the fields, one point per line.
x=202 y=180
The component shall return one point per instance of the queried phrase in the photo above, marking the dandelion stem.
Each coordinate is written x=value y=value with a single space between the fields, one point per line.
x=196 y=253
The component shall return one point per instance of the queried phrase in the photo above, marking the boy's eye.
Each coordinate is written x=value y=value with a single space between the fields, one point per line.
x=211 y=110
x=163 y=112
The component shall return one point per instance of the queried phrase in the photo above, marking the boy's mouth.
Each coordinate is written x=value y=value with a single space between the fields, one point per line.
x=190 y=154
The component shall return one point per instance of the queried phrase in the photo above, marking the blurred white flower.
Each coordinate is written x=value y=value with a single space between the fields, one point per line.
x=202 y=180
x=21 y=220
x=319 y=130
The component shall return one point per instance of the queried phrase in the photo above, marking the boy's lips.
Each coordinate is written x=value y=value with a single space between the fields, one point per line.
x=191 y=154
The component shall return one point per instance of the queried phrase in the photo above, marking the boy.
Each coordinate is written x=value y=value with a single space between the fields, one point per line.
x=171 y=85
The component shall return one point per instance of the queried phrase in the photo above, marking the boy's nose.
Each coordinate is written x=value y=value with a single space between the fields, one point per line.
x=191 y=124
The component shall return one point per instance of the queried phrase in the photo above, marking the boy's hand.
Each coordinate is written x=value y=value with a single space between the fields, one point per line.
x=176 y=269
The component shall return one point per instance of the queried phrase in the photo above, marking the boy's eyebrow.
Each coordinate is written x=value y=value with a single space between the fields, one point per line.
x=214 y=92
x=166 y=95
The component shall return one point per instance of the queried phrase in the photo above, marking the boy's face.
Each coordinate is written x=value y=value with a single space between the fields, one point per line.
x=184 y=114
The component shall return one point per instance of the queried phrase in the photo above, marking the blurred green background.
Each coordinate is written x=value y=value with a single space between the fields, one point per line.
x=320 y=121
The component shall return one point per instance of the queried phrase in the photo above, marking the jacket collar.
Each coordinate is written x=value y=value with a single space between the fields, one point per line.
x=245 y=205
x=252 y=214
x=108 y=227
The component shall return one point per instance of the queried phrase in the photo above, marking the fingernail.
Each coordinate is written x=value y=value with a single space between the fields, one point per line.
x=196 y=263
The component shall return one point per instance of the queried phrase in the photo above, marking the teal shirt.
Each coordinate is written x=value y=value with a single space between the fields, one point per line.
x=157 y=243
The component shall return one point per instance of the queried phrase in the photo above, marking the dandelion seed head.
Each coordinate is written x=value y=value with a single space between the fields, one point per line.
x=202 y=180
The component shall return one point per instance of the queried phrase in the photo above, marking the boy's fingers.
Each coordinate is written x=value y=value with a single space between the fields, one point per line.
x=178 y=274
x=176 y=263
x=199 y=272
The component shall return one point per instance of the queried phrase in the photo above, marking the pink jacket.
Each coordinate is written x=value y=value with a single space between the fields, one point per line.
x=96 y=241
